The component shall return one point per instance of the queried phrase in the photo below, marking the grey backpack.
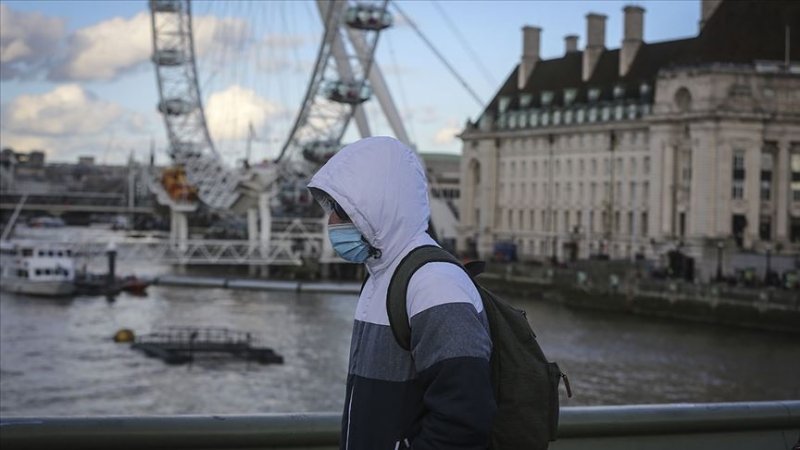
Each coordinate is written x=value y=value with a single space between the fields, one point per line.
x=525 y=383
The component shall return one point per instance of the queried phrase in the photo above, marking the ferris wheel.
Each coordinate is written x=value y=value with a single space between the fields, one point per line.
x=343 y=77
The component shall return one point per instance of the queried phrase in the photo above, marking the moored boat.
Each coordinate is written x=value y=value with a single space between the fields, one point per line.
x=36 y=268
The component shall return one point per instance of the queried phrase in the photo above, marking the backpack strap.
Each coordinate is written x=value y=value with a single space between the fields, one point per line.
x=398 y=288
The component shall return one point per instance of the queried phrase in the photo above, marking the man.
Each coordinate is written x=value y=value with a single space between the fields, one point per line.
x=438 y=395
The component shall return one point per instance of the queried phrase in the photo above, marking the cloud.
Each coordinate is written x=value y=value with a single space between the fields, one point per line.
x=446 y=135
x=230 y=112
x=69 y=121
x=28 y=41
x=108 y=49
x=66 y=110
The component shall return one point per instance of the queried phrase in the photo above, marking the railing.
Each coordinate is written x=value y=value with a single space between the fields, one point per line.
x=755 y=425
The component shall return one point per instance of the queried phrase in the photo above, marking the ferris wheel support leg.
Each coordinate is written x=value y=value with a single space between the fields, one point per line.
x=252 y=226
x=380 y=89
x=343 y=65
x=178 y=230
x=266 y=222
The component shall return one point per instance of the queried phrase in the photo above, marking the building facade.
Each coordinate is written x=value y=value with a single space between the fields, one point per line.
x=691 y=144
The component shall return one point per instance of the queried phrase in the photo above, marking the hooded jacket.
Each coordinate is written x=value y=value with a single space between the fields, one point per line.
x=438 y=395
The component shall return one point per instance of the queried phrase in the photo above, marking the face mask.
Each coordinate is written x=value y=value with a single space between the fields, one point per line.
x=347 y=242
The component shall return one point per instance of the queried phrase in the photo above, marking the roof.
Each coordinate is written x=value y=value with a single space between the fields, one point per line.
x=739 y=32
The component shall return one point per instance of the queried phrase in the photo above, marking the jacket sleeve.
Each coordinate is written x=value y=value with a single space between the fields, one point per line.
x=451 y=347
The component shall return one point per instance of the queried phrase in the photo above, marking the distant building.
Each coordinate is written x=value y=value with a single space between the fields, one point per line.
x=443 y=171
x=691 y=144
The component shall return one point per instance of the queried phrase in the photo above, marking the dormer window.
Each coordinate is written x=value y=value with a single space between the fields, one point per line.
x=547 y=98
x=525 y=100
x=593 y=94
x=569 y=96
x=644 y=90
x=502 y=104
x=619 y=92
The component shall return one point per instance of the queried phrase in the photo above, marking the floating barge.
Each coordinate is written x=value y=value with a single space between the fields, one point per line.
x=179 y=345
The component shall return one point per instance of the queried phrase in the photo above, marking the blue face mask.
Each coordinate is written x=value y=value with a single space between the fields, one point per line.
x=347 y=242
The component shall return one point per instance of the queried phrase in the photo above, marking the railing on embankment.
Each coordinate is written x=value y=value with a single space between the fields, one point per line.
x=711 y=426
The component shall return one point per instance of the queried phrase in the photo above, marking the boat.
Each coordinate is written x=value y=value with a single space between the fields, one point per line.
x=36 y=268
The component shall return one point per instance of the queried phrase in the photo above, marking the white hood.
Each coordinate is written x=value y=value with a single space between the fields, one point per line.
x=380 y=184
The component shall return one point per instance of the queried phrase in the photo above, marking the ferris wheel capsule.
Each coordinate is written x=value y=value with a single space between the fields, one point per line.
x=166 y=5
x=368 y=17
x=349 y=92
x=320 y=151
x=169 y=57
x=175 y=107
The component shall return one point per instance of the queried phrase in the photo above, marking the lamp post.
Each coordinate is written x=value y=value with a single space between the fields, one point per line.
x=720 y=245
x=768 y=269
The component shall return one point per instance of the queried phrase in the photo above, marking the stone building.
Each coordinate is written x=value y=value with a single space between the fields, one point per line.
x=690 y=144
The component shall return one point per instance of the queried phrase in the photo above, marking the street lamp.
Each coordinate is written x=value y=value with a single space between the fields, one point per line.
x=768 y=270
x=720 y=246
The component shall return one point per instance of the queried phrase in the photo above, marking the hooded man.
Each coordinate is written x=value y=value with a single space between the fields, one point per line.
x=439 y=394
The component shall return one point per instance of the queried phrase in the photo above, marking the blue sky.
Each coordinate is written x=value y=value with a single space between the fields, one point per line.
x=76 y=77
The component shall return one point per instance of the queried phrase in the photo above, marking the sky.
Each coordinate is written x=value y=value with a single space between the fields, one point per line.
x=76 y=77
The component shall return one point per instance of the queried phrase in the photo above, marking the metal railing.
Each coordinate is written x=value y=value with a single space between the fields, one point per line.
x=752 y=425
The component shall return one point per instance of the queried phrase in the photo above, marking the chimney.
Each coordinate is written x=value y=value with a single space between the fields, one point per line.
x=570 y=43
x=632 y=37
x=707 y=8
x=595 y=42
x=530 y=54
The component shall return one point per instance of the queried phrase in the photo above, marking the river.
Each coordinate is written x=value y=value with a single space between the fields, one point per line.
x=57 y=357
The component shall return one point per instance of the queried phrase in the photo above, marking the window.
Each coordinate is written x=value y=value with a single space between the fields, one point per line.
x=502 y=105
x=569 y=167
x=765 y=228
x=630 y=224
x=619 y=91
x=547 y=98
x=645 y=192
x=633 y=166
x=532 y=220
x=766 y=176
x=591 y=221
x=738 y=175
x=646 y=165
x=644 y=224
x=580 y=115
x=606 y=113
x=533 y=118
x=566 y=221
x=593 y=95
x=632 y=193
x=557 y=118
x=569 y=96
x=525 y=100
x=593 y=193
x=581 y=167
x=594 y=167
x=795 y=165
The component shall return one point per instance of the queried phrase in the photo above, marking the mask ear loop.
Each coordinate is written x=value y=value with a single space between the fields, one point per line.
x=372 y=252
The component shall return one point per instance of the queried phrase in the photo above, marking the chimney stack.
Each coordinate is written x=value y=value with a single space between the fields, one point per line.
x=707 y=8
x=530 y=54
x=595 y=42
x=570 y=43
x=632 y=37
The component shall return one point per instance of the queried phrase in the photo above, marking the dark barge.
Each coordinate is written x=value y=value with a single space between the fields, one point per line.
x=179 y=345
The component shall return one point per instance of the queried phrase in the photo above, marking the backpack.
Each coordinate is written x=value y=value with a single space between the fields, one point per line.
x=525 y=383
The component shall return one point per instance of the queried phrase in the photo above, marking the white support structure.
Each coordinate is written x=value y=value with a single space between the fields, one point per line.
x=266 y=220
x=380 y=89
x=252 y=226
x=178 y=230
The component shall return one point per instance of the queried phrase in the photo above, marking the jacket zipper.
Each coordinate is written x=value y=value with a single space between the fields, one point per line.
x=349 y=407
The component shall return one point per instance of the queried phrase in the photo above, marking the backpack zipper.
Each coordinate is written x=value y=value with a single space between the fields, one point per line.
x=566 y=384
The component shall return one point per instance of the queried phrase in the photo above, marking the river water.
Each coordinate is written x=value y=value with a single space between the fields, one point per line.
x=57 y=357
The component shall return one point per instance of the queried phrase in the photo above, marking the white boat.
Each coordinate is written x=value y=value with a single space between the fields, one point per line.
x=36 y=268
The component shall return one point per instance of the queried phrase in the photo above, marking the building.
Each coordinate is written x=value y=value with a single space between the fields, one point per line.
x=690 y=144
